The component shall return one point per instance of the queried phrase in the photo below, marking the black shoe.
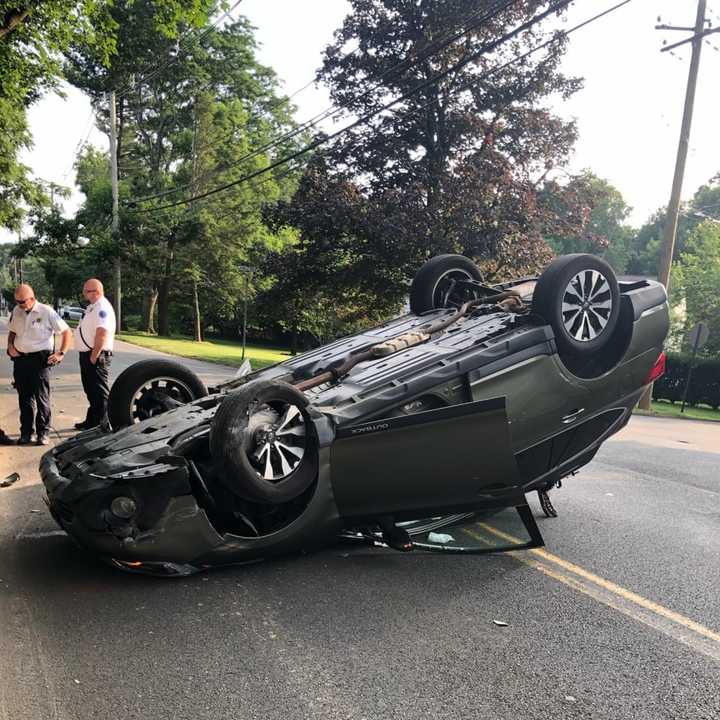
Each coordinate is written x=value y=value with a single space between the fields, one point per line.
x=25 y=440
x=42 y=440
x=82 y=425
x=5 y=440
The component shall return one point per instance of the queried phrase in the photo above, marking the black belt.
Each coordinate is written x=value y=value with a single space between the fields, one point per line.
x=106 y=353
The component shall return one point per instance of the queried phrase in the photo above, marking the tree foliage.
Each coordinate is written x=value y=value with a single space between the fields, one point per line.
x=589 y=216
x=696 y=279
x=646 y=244
x=198 y=119
x=329 y=279
x=456 y=166
x=33 y=37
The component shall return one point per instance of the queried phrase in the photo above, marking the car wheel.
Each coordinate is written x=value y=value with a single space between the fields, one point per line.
x=149 y=388
x=263 y=442
x=435 y=284
x=579 y=297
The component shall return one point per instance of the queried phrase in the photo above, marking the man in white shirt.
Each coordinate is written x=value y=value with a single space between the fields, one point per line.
x=94 y=337
x=31 y=341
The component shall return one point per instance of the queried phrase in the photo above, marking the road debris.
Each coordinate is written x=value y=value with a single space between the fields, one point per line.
x=441 y=538
x=500 y=623
x=10 y=480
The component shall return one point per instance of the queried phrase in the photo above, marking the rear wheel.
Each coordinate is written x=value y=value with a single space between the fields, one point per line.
x=438 y=283
x=149 y=388
x=579 y=297
x=263 y=442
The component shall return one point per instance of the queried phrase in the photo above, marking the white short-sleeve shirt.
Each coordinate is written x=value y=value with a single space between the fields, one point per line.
x=98 y=315
x=34 y=329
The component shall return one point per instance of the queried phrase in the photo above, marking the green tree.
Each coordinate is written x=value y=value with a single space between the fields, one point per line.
x=457 y=165
x=33 y=37
x=598 y=210
x=329 y=279
x=198 y=121
x=646 y=244
x=696 y=279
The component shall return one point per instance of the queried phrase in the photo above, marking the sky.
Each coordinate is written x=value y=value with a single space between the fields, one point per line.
x=628 y=113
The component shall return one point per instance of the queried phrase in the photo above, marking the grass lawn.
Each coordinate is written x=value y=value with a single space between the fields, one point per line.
x=224 y=352
x=662 y=408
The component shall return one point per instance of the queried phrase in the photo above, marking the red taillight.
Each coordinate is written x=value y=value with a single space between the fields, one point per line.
x=658 y=370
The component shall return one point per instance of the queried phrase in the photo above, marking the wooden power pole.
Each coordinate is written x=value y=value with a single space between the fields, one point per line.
x=673 y=210
x=117 y=268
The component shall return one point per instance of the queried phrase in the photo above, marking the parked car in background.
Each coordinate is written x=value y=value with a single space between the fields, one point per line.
x=71 y=312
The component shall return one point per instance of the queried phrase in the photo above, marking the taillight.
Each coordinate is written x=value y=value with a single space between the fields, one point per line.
x=658 y=370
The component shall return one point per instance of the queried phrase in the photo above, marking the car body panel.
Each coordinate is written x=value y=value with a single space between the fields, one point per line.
x=421 y=462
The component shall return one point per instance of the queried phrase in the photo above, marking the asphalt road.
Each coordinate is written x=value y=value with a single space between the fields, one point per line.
x=618 y=617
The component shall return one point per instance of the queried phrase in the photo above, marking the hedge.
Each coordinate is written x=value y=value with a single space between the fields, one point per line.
x=704 y=386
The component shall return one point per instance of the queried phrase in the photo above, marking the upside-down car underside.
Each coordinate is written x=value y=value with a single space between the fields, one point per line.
x=458 y=409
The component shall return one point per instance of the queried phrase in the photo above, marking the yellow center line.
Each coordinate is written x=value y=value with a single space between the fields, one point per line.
x=609 y=593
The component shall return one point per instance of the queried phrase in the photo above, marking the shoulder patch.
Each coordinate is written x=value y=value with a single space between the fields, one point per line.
x=102 y=313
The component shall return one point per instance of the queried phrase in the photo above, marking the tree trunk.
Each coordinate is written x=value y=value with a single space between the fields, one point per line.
x=164 y=295
x=149 y=304
x=196 y=313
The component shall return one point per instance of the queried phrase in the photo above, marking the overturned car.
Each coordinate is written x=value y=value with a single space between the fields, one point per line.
x=397 y=435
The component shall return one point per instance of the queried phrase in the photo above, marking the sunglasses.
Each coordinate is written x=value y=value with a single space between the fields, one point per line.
x=26 y=300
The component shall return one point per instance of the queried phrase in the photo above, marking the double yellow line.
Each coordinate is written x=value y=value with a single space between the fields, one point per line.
x=670 y=623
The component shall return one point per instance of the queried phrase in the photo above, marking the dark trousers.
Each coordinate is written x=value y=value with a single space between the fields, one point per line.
x=32 y=382
x=96 y=386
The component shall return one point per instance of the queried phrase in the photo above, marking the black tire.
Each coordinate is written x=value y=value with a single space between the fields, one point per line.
x=584 y=282
x=149 y=388
x=429 y=289
x=244 y=445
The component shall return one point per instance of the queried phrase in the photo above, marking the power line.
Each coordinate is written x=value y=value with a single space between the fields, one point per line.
x=368 y=116
x=470 y=23
x=183 y=41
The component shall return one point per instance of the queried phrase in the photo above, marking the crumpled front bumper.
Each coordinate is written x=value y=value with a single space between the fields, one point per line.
x=180 y=531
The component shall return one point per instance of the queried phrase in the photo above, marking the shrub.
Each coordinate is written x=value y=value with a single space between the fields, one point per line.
x=704 y=386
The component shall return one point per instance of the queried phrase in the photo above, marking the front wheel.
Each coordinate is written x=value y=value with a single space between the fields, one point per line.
x=263 y=442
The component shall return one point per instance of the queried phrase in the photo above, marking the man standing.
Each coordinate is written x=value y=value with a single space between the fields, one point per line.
x=94 y=339
x=32 y=328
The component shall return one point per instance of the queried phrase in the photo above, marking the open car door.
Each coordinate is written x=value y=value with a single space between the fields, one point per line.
x=445 y=460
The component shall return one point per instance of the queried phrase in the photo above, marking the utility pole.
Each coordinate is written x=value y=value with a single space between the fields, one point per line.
x=117 y=268
x=671 y=219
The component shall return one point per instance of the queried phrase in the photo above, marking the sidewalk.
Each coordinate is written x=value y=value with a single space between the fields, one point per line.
x=68 y=400
x=671 y=433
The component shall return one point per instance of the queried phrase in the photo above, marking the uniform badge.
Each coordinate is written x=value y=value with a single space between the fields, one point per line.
x=102 y=314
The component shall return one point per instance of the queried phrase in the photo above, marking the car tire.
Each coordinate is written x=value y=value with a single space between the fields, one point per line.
x=150 y=387
x=430 y=286
x=250 y=459
x=579 y=297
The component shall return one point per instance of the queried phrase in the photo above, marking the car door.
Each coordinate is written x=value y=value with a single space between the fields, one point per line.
x=452 y=457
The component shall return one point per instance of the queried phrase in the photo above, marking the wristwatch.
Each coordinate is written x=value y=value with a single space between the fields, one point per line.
x=61 y=353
